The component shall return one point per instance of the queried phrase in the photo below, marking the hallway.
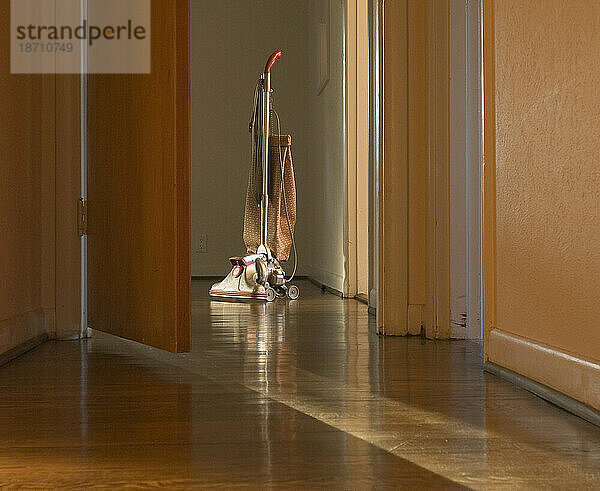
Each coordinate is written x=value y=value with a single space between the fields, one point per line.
x=300 y=394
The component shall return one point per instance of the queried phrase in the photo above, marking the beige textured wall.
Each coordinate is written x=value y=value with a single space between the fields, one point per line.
x=548 y=172
x=39 y=189
x=20 y=204
x=21 y=167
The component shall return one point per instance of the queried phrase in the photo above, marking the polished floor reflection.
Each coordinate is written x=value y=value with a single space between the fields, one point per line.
x=298 y=394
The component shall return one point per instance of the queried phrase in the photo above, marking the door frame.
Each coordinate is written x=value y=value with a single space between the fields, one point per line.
x=358 y=117
x=414 y=171
x=358 y=114
x=436 y=305
x=434 y=269
x=475 y=171
x=489 y=173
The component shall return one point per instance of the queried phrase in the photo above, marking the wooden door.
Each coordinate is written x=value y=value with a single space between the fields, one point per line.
x=139 y=192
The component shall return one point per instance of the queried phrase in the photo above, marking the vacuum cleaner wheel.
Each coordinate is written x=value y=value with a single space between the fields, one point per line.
x=271 y=294
x=293 y=292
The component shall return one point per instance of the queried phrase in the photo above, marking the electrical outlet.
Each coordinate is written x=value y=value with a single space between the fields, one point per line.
x=201 y=243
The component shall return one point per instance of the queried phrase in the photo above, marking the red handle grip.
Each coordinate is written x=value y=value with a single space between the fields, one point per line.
x=271 y=61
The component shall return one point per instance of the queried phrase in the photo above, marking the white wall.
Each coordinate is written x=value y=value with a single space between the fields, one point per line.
x=231 y=40
x=465 y=168
x=322 y=205
x=458 y=168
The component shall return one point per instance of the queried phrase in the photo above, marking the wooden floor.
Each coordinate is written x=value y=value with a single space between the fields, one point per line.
x=301 y=394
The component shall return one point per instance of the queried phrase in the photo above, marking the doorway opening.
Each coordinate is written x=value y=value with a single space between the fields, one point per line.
x=429 y=275
x=140 y=254
x=321 y=92
x=327 y=91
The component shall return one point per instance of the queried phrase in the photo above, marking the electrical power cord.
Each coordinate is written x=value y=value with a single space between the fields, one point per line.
x=287 y=214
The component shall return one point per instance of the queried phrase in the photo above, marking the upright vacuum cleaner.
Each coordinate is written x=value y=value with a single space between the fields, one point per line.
x=259 y=274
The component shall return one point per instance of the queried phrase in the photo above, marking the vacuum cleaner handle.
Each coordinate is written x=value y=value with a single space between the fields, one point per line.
x=271 y=61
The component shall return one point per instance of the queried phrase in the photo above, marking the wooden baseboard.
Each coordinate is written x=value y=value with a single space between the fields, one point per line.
x=558 y=399
x=362 y=298
x=21 y=333
x=332 y=281
x=23 y=348
x=323 y=286
x=564 y=373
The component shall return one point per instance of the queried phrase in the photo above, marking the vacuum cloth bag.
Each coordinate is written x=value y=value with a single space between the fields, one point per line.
x=279 y=235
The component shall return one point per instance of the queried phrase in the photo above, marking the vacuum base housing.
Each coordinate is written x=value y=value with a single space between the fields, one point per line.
x=241 y=281
x=254 y=277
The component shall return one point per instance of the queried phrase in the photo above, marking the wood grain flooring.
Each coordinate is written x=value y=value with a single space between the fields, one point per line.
x=301 y=394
